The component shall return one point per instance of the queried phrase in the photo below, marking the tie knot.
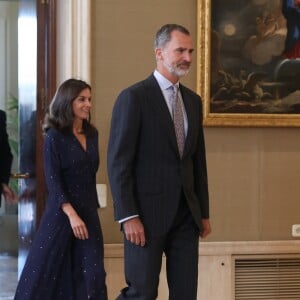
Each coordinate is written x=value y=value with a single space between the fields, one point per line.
x=173 y=92
x=174 y=88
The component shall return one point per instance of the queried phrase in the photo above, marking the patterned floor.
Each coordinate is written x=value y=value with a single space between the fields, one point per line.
x=8 y=276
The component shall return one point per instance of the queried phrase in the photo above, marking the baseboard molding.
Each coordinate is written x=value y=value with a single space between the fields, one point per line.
x=216 y=270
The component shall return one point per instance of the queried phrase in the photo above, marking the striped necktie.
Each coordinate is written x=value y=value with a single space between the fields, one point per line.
x=177 y=118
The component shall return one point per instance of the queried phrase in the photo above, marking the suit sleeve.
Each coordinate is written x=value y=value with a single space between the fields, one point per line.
x=200 y=170
x=6 y=156
x=124 y=135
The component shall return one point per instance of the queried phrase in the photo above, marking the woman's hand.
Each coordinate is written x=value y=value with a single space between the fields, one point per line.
x=78 y=226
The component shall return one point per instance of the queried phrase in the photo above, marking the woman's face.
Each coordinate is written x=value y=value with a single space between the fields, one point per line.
x=82 y=104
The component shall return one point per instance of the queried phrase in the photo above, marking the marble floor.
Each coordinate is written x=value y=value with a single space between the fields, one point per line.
x=8 y=276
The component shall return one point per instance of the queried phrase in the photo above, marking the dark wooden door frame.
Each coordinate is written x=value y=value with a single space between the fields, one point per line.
x=46 y=86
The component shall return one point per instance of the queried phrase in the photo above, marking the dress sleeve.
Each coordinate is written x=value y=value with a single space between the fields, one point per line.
x=53 y=170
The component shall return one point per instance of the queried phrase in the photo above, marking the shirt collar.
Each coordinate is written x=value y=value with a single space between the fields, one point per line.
x=163 y=82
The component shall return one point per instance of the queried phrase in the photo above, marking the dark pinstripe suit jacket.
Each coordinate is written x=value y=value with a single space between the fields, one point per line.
x=5 y=153
x=145 y=170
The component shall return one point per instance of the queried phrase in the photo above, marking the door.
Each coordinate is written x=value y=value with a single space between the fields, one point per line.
x=9 y=103
x=27 y=83
x=36 y=86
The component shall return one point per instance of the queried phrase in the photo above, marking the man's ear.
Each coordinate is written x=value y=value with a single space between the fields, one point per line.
x=158 y=53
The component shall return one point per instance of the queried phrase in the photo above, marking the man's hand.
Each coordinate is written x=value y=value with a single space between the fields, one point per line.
x=8 y=194
x=134 y=231
x=206 y=229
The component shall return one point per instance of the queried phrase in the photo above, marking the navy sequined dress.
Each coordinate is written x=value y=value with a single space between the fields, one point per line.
x=59 y=266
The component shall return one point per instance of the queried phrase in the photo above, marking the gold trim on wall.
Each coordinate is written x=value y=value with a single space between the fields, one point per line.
x=246 y=114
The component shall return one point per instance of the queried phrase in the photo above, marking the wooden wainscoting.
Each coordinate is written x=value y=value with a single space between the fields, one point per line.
x=216 y=266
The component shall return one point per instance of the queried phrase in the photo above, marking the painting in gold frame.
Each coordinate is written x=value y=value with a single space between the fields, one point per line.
x=246 y=74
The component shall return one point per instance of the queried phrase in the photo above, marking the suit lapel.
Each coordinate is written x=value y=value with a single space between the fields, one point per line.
x=157 y=101
x=190 y=118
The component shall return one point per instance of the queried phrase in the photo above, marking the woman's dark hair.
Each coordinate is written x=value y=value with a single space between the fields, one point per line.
x=60 y=112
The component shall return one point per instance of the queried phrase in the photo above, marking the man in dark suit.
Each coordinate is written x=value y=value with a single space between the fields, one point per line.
x=5 y=160
x=159 y=182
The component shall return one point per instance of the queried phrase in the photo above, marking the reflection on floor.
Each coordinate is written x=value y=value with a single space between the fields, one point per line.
x=8 y=276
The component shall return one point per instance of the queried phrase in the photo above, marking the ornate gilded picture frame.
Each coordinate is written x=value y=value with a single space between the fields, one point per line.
x=248 y=70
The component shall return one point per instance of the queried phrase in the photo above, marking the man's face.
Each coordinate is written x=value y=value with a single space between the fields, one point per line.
x=297 y=3
x=176 y=57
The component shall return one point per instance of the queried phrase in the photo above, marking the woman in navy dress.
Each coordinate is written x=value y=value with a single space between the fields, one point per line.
x=66 y=258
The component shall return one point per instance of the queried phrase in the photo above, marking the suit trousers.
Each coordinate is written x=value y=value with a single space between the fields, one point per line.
x=143 y=264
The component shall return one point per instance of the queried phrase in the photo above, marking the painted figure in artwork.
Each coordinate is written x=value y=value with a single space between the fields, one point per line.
x=291 y=11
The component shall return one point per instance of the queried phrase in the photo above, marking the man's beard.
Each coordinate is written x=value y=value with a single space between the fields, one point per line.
x=176 y=70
